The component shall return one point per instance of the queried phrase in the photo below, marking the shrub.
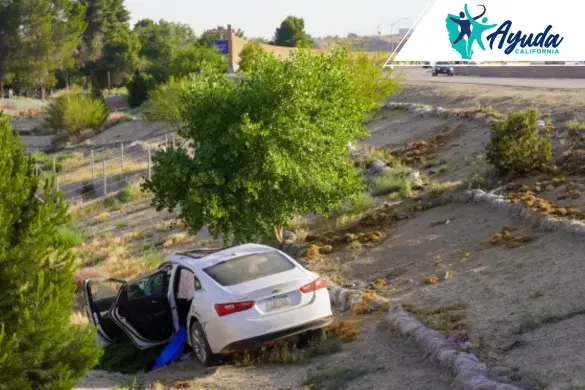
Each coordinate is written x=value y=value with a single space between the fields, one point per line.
x=39 y=346
x=249 y=55
x=67 y=239
x=394 y=180
x=75 y=111
x=139 y=87
x=516 y=145
x=165 y=102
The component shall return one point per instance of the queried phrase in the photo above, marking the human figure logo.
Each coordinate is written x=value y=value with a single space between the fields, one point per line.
x=466 y=33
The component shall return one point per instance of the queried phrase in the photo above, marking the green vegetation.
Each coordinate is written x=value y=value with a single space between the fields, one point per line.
x=66 y=239
x=292 y=33
x=165 y=102
x=575 y=125
x=249 y=55
x=355 y=206
x=393 y=180
x=254 y=166
x=516 y=145
x=76 y=111
x=39 y=346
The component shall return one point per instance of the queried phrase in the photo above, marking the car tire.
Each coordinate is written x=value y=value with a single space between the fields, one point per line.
x=201 y=349
x=434 y=75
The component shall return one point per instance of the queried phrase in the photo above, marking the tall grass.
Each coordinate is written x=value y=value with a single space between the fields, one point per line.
x=394 y=180
x=76 y=111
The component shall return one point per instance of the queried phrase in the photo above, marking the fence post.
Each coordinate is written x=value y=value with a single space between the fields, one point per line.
x=149 y=164
x=57 y=182
x=172 y=141
x=37 y=168
x=122 y=150
x=55 y=165
x=105 y=178
x=92 y=166
x=166 y=141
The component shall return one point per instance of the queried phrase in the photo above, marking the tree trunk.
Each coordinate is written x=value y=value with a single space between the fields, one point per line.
x=278 y=233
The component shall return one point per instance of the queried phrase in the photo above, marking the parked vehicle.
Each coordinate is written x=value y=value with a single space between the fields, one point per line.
x=228 y=300
x=426 y=65
x=444 y=68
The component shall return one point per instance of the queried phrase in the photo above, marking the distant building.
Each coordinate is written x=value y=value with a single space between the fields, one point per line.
x=403 y=31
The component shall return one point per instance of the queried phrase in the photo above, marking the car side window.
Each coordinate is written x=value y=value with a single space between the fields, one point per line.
x=155 y=284
x=188 y=284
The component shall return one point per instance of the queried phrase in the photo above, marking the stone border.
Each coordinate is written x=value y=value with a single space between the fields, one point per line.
x=470 y=373
x=498 y=202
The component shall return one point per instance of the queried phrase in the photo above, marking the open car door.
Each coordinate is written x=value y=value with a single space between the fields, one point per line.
x=143 y=311
x=100 y=295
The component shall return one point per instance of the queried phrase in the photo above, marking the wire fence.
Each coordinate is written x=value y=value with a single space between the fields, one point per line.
x=23 y=106
x=98 y=174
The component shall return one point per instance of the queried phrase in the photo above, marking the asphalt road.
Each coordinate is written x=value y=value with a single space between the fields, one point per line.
x=419 y=75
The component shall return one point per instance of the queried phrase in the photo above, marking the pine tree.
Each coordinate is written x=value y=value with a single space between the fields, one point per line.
x=39 y=347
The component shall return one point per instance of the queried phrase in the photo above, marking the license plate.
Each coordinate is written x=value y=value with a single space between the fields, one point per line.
x=278 y=302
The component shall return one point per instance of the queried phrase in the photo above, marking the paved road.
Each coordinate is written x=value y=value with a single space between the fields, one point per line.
x=419 y=75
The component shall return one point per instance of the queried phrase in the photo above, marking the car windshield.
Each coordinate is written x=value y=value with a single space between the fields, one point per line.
x=442 y=63
x=250 y=267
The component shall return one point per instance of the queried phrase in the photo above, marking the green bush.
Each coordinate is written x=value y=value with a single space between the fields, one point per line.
x=165 y=102
x=394 y=180
x=516 y=145
x=67 y=239
x=75 y=111
x=355 y=206
x=139 y=87
x=249 y=55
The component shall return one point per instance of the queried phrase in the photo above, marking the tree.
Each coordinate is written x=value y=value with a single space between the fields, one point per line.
x=266 y=147
x=190 y=59
x=291 y=33
x=39 y=346
x=251 y=53
x=119 y=59
x=48 y=33
x=240 y=33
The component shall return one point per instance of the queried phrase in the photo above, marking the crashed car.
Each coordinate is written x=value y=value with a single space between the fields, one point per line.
x=228 y=300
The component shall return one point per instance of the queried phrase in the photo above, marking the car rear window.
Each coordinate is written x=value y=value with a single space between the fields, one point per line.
x=250 y=267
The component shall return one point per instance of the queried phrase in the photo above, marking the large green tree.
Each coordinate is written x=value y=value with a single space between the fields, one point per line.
x=268 y=146
x=39 y=347
x=47 y=35
x=292 y=33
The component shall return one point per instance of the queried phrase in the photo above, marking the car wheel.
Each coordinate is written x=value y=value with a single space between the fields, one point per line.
x=434 y=75
x=200 y=346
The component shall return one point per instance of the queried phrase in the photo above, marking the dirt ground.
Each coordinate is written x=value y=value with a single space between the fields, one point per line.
x=392 y=364
x=525 y=303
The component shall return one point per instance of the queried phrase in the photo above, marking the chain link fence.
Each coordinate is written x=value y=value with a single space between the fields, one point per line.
x=104 y=173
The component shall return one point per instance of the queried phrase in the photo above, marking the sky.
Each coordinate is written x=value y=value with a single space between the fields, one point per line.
x=259 y=18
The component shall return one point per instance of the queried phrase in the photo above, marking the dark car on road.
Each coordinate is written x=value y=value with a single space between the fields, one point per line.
x=444 y=68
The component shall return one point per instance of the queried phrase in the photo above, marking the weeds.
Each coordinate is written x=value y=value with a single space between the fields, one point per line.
x=67 y=238
x=449 y=319
x=439 y=188
x=575 y=125
x=394 y=180
x=356 y=206
x=506 y=238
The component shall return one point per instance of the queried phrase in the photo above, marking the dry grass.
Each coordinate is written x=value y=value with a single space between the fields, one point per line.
x=343 y=330
x=506 y=238
x=112 y=168
x=103 y=217
x=418 y=152
x=449 y=319
x=79 y=318
x=528 y=197
x=439 y=188
x=176 y=239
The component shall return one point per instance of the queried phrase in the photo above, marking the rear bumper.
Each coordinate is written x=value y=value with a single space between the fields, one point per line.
x=242 y=345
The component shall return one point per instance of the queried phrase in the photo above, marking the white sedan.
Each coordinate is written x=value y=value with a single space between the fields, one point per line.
x=227 y=300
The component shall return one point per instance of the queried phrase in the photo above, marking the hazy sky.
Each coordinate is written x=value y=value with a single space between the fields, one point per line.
x=261 y=17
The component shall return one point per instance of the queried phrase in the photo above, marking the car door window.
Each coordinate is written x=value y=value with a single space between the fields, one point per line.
x=186 y=288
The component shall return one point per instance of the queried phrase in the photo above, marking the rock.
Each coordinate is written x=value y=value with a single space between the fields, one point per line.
x=326 y=249
x=541 y=125
x=415 y=178
x=549 y=188
x=377 y=166
x=501 y=372
x=287 y=235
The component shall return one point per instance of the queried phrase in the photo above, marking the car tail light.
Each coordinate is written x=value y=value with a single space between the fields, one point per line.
x=223 y=309
x=316 y=284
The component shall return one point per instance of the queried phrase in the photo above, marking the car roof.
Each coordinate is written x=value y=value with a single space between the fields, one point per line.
x=198 y=259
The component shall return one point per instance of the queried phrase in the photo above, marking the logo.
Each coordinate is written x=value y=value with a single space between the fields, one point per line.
x=466 y=33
